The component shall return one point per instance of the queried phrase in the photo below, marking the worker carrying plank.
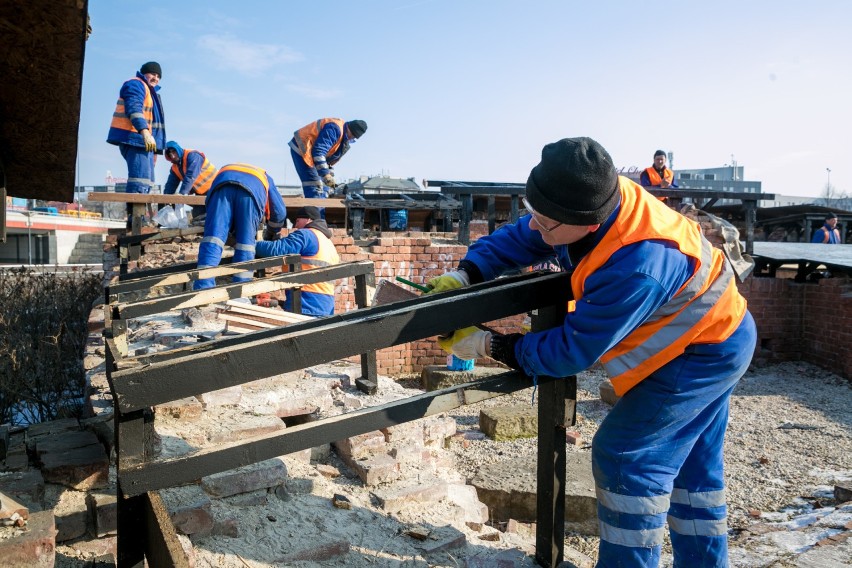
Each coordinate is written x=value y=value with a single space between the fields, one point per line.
x=658 y=305
x=311 y=239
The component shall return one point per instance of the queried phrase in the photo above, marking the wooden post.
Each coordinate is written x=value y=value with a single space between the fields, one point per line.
x=357 y=214
x=550 y=501
x=369 y=382
x=465 y=215
x=492 y=214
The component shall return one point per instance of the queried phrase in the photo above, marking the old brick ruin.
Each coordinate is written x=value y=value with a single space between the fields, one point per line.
x=63 y=471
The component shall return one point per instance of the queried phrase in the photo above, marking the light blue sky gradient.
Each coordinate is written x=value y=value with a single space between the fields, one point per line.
x=472 y=89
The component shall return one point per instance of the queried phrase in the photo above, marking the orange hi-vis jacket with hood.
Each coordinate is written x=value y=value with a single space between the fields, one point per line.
x=205 y=176
x=305 y=137
x=707 y=309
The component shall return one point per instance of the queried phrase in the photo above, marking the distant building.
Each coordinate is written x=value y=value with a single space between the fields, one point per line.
x=382 y=184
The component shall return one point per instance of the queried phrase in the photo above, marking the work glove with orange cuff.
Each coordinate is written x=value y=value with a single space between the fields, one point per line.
x=474 y=343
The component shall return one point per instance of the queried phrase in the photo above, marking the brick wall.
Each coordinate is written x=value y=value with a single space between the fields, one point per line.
x=802 y=321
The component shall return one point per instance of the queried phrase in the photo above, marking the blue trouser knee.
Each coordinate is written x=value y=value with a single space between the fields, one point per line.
x=229 y=209
x=312 y=185
x=140 y=172
x=658 y=457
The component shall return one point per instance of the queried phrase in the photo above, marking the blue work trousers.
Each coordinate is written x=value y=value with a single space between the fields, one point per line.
x=312 y=185
x=657 y=458
x=140 y=172
x=230 y=209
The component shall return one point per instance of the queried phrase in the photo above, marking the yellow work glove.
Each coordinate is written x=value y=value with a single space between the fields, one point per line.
x=467 y=343
x=328 y=179
x=449 y=281
x=150 y=143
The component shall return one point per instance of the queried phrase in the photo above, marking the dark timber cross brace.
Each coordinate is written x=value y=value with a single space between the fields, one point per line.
x=139 y=383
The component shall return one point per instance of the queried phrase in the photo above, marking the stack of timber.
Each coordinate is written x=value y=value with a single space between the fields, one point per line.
x=240 y=317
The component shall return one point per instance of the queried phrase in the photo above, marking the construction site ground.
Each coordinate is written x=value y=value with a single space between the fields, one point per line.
x=788 y=445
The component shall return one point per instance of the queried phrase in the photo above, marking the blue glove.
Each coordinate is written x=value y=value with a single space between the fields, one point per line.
x=467 y=343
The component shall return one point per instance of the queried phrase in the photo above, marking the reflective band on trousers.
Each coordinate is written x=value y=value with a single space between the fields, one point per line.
x=648 y=505
x=633 y=538
x=682 y=323
x=214 y=240
x=698 y=527
x=699 y=499
x=245 y=247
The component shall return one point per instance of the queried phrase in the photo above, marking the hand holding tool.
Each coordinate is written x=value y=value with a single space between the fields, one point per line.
x=467 y=343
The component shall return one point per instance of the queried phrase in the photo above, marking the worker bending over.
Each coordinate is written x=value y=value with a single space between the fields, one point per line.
x=659 y=307
x=192 y=171
x=317 y=147
x=241 y=197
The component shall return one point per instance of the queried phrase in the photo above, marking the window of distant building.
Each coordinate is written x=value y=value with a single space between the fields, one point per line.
x=709 y=176
x=685 y=176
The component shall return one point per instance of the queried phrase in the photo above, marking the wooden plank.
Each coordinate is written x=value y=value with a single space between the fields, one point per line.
x=283 y=281
x=159 y=198
x=143 y=279
x=171 y=472
x=228 y=362
x=162 y=547
x=256 y=323
x=275 y=313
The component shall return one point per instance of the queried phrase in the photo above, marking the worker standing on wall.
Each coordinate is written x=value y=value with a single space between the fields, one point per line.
x=659 y=307
x=240 y=198
x=658 y=174
x=311 y=239
x=317 y=147
x=138 y=128
x=192 y=171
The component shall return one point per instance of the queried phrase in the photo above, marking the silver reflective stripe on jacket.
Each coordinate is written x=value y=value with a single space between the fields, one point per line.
x=677 y=327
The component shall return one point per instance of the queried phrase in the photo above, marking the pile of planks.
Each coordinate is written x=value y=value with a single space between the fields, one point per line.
x=241 y=317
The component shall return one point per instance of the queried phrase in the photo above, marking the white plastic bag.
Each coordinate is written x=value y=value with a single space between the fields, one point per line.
x=168 y=218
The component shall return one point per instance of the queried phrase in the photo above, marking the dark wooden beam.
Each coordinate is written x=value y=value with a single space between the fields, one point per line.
x=280 y=281
x=162 y=547
x=177 y=471
x=232 y=361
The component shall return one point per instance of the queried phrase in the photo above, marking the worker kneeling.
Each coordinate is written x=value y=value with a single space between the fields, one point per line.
x=311 y=239
x=240 y=198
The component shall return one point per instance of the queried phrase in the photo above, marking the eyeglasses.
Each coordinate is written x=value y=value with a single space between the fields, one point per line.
x=536 y=217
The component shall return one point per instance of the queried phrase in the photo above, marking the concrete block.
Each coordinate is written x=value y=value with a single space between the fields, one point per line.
x=501 y=423
x=26 y=487
x=82 y=468
x=375 y=469
x=607 y=392
x=103 y=510
x=71 y=515
x=262 y=475
x=393 y=501
x=34 y=547
x=189 y=508
x=434 y=377
x=222 y=397
x=436 y=430
x=509 y=490
x=246 y=426
x=411 y=432
x=464 y=496
x=186 y=409
x=361 y=445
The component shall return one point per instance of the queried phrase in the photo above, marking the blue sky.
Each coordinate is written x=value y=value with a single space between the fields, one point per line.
x=472 y=89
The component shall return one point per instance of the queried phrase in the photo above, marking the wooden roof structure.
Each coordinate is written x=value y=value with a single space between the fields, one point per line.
x=42 y=72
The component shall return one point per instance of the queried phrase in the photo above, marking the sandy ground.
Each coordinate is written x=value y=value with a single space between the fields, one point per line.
x=788 y=443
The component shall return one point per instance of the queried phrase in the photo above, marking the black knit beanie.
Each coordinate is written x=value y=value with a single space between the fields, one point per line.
x=308 y=212
x=575 y=182
x=357 y=127
x=152 y=67
x=659 y=153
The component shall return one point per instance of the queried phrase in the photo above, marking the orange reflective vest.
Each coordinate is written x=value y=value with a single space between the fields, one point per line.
x=307 y=135
x=120 y=119
x=655 y=178
x=205 y=176
x=325 y=256
x=259 y=173
x=708 y=308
